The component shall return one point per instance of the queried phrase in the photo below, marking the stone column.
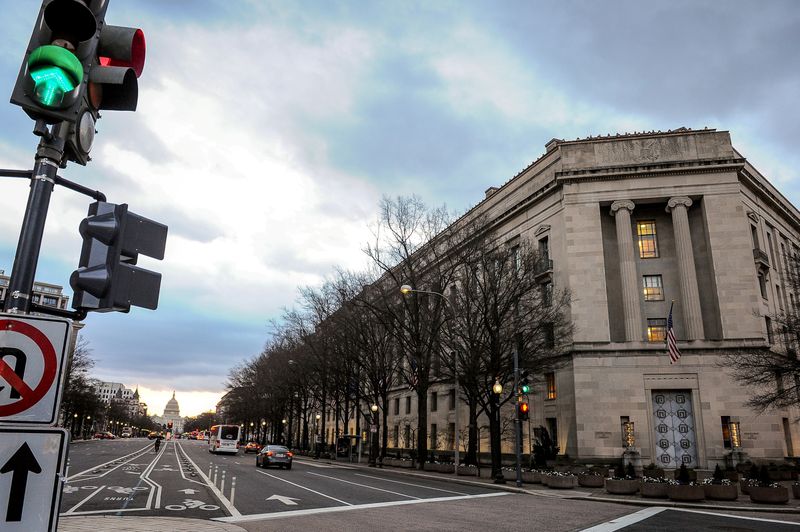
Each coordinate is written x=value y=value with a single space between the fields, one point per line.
x=690 y=296
x=621 y=211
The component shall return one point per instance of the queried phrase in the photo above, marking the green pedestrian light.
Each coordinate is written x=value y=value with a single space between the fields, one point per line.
x=56 y=74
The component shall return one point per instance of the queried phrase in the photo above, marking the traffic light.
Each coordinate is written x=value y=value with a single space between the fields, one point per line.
x=523 y=410
x=525 y=388
x=75 y=66
x=118 y=62
x=169 y=425
x=107 y=279
x=55 y=69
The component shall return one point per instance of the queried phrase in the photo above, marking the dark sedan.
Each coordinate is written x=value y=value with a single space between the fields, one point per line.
x=274 y=455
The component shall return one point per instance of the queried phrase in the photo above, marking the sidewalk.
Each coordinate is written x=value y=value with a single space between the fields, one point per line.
x=148 y=524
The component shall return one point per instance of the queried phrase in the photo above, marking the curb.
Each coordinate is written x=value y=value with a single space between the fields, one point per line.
x=542 y=493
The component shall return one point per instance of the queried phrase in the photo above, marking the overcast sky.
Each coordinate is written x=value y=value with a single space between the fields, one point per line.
x=267 y=132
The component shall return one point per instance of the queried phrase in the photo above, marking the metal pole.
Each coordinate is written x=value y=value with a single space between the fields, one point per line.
x=517 y=420
x=48 y=156
x=455 y=414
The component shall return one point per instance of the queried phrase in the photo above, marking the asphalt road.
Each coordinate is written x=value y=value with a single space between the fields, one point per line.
x=127 y=477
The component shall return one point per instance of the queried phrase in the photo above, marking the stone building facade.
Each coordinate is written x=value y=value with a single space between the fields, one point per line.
x=632 y=223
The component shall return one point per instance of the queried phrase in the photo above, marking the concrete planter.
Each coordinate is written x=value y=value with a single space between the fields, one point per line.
x=467 y=471
x=531 y=477
x=439 y=468
x=654 y=490
x=622 y=486
x=562 y=483
x=718 y=492
x=686 y=493
x=591 y=481
x=744 y=486
x=769 y=495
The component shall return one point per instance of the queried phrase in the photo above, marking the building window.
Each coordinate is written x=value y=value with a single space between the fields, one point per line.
x=434 y=401
x=544 y=248
x=517 y=258
x=546 y=293
x=656 y=329
x=396 y=436
x=407 y=436
x=452 y=398
x=434 y=437
x=653 y=288
x=408 y=404
x=754 y=234
x=762 y=284
x=648 y=246
x=396 y=406
x=451 y=436
x=770 y=337
x=726 y=432
x=550 y=384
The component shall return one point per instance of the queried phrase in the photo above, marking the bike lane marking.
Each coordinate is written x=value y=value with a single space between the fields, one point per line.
x=218 y=494
x=139 y=452
x=364 y=485
x=413 y=485
x=303 y=487
x=180 y=468
x=333 y=509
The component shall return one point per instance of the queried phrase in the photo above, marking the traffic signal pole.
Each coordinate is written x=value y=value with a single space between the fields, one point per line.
x=517 y=420
x=48 y=157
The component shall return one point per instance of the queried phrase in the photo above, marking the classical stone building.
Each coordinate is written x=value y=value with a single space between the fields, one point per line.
x=630 y=223
x=172 y=414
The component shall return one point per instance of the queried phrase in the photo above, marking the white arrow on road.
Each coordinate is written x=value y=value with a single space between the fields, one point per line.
x=188 y=491
x=288 y=501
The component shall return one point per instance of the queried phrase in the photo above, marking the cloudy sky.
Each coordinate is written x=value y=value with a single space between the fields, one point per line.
x=267 y=132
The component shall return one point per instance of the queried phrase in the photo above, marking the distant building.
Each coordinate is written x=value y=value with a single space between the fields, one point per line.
x=116 y=391
x=50 y=295
x=172 y=414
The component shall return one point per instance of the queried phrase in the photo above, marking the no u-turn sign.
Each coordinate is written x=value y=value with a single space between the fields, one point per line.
x=32 y=358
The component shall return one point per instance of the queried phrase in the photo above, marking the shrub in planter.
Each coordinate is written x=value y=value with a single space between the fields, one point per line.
x=751 y=479
x=652 y=471
x=622 y=484
x=591 y=478
x=558 y=480
x=685 y=475
x=684 y=489
x=719 y=488
x=731 y=474
x=654 y=487
x=768 y=492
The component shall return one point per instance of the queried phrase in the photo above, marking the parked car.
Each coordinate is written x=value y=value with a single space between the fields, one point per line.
x=274 y=455
x=103 y=436
x=252 y=447
x=153 y=435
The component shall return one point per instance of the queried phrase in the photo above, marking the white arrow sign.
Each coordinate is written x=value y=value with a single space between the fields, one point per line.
x=288 y=501
x=188 y=491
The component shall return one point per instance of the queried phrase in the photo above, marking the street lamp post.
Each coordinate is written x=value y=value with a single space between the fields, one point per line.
x=497 y=389
x=317 y=436
x=408 y=289
x=284 y=439
x=263 y=432
x=373 y=436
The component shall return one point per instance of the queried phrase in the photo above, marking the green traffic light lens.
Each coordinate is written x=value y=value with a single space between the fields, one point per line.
x=50 y=85
x=525 y=388
x=56 y=72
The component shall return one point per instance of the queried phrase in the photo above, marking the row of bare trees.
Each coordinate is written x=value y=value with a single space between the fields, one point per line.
x=352 y=342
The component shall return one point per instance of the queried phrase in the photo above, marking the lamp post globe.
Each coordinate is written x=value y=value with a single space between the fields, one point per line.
x=406 y=289
x=497 y=388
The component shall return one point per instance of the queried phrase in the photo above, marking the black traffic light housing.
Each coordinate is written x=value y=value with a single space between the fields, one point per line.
x=107 y=278
x=70 y=27
x=523 y=410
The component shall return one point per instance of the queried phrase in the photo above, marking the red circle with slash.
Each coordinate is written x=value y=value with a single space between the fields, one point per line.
x=28 y=396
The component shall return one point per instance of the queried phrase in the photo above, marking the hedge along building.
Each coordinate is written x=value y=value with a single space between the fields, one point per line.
x=631 y=223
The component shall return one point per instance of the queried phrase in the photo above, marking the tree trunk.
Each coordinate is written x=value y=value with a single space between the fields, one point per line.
x=472 y=445
x=422 y=426
x=494 y=442
x=385 y=427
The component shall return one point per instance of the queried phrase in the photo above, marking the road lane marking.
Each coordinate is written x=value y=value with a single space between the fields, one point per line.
x=410 y=484
x=95 y=492
x=303 y=487
x=140 y=451
x=364 y=486
x=222 y=499
x=323 y=466
x=332 y=509
x=177 y=459
x=288 y=501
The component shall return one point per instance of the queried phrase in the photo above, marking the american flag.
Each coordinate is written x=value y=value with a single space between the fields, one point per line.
x=672 y=344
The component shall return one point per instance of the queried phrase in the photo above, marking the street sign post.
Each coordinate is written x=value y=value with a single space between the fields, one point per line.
x=33 y=353
x=32 y=468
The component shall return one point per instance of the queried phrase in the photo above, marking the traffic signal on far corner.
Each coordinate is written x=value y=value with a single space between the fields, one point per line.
x=107 y=278
x=523 y=410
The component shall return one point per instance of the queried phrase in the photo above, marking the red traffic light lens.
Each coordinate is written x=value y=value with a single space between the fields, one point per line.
x=523 y=407
x=123 y=47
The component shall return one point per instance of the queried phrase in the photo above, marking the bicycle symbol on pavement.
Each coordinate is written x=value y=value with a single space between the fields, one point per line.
x=191 y=504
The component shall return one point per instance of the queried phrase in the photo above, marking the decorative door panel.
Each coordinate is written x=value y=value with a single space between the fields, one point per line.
x=675 y=435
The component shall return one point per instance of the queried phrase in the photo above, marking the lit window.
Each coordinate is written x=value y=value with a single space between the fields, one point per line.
x=656 y=329
x=648 y=247
x=550 y=382
x=653 y=288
